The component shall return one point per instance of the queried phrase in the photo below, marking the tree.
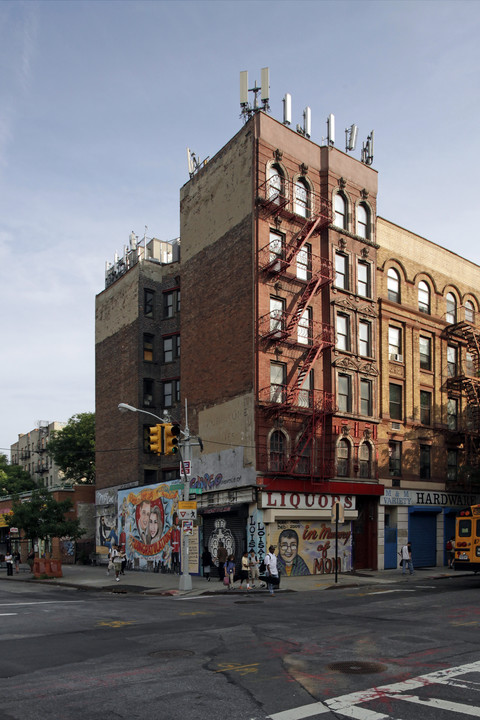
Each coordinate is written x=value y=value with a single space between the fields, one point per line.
x=13 y=479
x=72 y=448
x=42 y=517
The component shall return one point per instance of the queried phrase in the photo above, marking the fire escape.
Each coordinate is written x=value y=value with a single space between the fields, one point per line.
x=467 y=382
x=306 y=274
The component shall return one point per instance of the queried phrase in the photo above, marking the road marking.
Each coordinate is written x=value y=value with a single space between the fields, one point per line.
x=384 y=592
x=5 y=614
x=442 y=704
x=317 y=708
x=43 y=602
x=115 y=623
x=196 y=612
x=235 y=667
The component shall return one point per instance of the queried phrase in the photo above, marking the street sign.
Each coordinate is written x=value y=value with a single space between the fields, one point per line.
x=176 y=486
x=187 y=527
x=185 y=468
x=195 y=491
x=187 y=510
x=14 y=530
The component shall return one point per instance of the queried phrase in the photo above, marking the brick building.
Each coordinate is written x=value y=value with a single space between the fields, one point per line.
x=30 y=453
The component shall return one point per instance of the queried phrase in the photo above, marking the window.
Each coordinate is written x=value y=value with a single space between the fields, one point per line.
x=148 y=386
x=469 y=364
x=343 y=458
x=148 y=303
x=451 y=315
x=176 y=390
x=425 y=462
x=393 y=285
x=364 y=338
x=305 y=393
x=304 y=262
x=167 y=394
x=365 y=397
x=277 y=315
x=168 y=304
x=148 y=348
x=425 y=346
x=452 y=465
x=277 y=451
x=276 y=246
x=344 y=399
x=423 y=297
x=469 y=311
x=341 y=271
x=395 y=458
x=451 y=361
x=343 y=332
x=363 y=221
x=340 y=219
x=168 y=349
x=395 y=343
x=302 y=198
x=278 y=375
x=304 y=456
x=395 y=395
x=452 y=413
x=425 y=407
x=276 y=183
x=177 y=344
x=365 y=460
x=363 y=281
x=304 y=328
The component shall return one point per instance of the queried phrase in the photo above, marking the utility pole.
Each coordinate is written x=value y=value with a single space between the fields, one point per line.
x=185 y=456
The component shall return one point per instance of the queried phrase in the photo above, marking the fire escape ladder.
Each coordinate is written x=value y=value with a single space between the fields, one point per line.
x=305 y=367
x=301 y=238
x=306 y=437
x=309 y=291
x=471 y=336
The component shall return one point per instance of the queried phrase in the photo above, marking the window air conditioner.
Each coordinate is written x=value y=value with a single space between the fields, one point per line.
x=396 y=357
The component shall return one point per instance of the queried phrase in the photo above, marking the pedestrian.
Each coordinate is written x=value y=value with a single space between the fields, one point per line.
x=9 y=561
x=271 y=569
x=16 y=558
x=222 y=557
x=123 y=555
x=230 y=571
x=31 y=559
x=117 y=562
x=406 y=554
x=253 y=568
x=111 y=555
x=450 y=548
x=244 y=570
x=206 y=563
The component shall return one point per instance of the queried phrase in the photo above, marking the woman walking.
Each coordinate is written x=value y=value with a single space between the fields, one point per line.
x=244 y=571
x=230 y=571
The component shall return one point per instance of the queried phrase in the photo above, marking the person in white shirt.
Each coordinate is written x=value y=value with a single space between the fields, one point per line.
x=271 y=569
x=406 y=554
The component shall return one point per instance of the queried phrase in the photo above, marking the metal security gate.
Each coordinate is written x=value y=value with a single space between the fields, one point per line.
x=422 y=533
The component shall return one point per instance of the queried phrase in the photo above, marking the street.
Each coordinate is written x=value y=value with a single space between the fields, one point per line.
x=404 y=651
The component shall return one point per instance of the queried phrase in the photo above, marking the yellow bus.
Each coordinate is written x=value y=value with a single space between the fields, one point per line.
x=467 y=539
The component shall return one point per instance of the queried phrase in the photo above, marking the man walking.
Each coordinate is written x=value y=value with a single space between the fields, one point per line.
x=406 y=554
x=222 y=556
x=271 y=569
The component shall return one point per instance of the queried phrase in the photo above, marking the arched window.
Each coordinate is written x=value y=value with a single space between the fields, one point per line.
x=363 y=221
x=276 y=183
x=365 y=460
x=451 y=315
x=277 y=451
x=393 y=285
x=423 y=297
x=340 y=219
x=302 y=198
x=343 y=458
x=469 y=311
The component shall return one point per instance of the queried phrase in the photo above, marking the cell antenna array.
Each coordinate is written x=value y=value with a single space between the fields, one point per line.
x=247 y=109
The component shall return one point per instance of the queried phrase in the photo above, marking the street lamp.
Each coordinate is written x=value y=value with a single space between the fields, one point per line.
x=185 y=582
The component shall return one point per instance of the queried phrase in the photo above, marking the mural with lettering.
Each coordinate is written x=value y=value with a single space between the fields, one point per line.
x=307 y=547
x=256 y=534
x=148 y=526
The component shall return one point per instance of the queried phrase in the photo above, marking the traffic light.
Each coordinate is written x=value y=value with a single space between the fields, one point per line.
x=172 y=432
x=156 y=439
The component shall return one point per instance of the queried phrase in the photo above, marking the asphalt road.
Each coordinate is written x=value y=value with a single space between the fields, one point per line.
x=403 y=651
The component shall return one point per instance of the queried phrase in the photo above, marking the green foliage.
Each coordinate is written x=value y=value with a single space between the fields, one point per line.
x=73 y=448
x=13 y=479
x=42 y=517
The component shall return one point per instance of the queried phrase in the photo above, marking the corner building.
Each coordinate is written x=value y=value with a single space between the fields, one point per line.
x=280 y=335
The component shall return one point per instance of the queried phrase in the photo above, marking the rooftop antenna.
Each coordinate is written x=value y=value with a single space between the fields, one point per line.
x=367 y=150
x=287 y=109
x=306 y=130
x=351 y=138
x=248 y=110
x=194 y=164
x=331 y=129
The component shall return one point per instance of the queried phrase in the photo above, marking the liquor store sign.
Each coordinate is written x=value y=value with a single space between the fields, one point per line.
x=305 y=501
x=427 y=497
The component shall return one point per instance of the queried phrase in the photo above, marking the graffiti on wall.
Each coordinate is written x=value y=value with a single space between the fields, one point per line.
x=308 y=547
x=256 y=534
x=148 y=525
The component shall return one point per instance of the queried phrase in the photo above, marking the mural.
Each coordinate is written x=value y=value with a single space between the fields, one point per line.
x=256 y=534
x=308 y=547
x=149 y=527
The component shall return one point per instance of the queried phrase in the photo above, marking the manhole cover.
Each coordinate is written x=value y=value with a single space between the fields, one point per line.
x=357 y=668
x=169 y=654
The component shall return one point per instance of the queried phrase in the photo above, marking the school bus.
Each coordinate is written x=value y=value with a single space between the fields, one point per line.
x=467 y=539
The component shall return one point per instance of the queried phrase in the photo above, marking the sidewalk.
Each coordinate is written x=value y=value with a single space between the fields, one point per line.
x=87 y=577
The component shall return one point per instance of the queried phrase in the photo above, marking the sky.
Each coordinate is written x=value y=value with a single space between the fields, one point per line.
x=99 y=101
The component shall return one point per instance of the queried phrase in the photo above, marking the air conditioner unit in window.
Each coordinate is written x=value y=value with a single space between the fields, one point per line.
x=396 y=357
